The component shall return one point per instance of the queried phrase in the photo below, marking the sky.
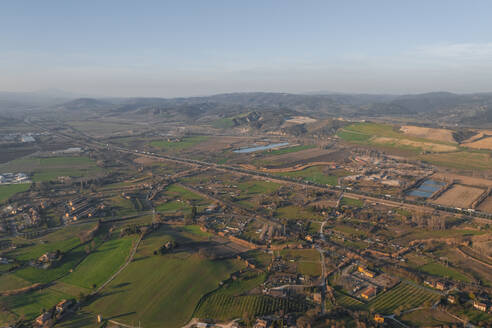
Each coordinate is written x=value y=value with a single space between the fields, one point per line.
x=188 y=48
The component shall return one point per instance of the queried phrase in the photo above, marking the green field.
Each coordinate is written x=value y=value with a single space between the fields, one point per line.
x=308 y=261
x=171 y=284
x=183 y=144
x=183 y=200
x=461 y=160
x=288 y=150
x=225 y=307
x=7 y=191
x=30 y=304
x=437 y=269
x=58 y=270
x=10 y=282
x=405 y=295
x=254 y=187
x=386 y=135
x=223 y=123
x=351 y=202
x=314 y=174
x=50 y=168
x=100 y=264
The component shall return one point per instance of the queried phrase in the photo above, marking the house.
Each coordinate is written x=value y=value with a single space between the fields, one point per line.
x=440 y=285
x=43 y=318
x=378 y=318
x=317 y=298
x=261 y=323
x=452 y=299
x=480 y=306
x=62 y=306
x=368 y=293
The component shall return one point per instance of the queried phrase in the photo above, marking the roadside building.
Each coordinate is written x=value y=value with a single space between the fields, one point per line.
x=378 y=318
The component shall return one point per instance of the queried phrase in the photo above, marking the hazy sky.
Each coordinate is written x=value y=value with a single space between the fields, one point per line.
x=181 y=48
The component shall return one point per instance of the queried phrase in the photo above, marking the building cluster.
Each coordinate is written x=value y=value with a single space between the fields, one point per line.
x=48 y=318
x=11 y=138
x=364 y=283
x=80 y=208
x=14 y=178
x=374 y=168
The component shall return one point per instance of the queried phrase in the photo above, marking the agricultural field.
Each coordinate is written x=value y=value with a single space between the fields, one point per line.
x=288 y=150
x=459 y=196
x=7 y=191
x=485 y=143
x=465 y=160
x=351 y=202
x=292 y=158
x=170 y=281
x=388 y=136
x=346 y=301
x=405 y=295
x=443 y=135
x=29 y=305
x=315 y=174
x=11 y=282
x=50 y=168
x=255 y=187
x=486 y=205
x=105 y=128
x=308 y=261
x=98 y=266
x=440 y=270
x=428 y=318
x=224 y=307
x=182 y=144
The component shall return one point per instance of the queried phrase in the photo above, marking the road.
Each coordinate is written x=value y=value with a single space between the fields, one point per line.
x=323 y=269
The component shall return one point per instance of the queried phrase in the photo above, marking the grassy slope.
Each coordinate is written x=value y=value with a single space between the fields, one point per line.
x=101 y=264
x=167 y=283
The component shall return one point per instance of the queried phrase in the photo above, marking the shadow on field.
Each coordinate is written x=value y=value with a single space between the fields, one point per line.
x=121 y=315
x=140 y=258
x=123 y=284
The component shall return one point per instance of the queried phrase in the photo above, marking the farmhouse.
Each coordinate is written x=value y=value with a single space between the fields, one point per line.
x=378 y=318
x=43 y=318
x=480 y=306
x=62 y=306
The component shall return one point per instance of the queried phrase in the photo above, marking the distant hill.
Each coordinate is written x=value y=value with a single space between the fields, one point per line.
x=445 y=106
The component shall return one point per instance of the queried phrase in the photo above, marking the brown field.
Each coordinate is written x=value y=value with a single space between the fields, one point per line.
x=459 y=196
x=485 y=143
x=476 y=269
x=216 y=144
x=486 y=205
x=428 y=146
x=302 y=157
x=463 y=179
x=443 y=135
